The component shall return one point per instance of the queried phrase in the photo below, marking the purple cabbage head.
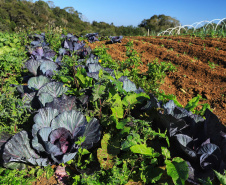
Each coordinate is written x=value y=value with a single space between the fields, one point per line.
x=53 y=139
x=115 y=39
x=201 y=142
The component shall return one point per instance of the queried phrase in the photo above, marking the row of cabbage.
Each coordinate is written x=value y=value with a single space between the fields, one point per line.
x=57 y=125
x=59 y=121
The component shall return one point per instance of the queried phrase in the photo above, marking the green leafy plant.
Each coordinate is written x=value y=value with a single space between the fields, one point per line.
x=156 y=72
x=178 y=170
x=212 y=65
x=26 y=176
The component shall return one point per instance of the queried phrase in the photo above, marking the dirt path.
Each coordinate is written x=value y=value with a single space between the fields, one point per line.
x=194 y=75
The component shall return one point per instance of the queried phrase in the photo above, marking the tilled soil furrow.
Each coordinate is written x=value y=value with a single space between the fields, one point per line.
x=191 y=78
x=182 y=60
x=185 y=37
x=205 y=54
x=218 y=45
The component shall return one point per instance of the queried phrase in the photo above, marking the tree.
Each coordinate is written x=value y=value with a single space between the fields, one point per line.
x=71 y=10
x=51 y=4
x=159 y=23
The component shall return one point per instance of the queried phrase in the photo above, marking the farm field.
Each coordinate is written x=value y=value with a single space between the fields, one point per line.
x=117 y=96
x=93 y=103
x=200 y=66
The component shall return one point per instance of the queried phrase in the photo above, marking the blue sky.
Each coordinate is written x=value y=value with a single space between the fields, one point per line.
x=132 y=12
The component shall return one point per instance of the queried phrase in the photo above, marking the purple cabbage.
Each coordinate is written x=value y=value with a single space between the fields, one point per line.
x=53 y=139
x=115 y=39
x=199 y=141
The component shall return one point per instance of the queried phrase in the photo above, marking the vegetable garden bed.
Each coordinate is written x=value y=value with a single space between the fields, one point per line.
x=199 y=70
x=81 y=114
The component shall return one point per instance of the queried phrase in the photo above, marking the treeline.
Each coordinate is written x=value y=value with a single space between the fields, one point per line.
x=18 y=15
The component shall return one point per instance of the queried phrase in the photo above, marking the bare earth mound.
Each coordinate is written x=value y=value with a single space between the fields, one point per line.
x=201 y=66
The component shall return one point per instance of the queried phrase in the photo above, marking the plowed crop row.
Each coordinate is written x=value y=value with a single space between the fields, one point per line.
x=204 y=53
x=211 y=42
x=194 y=75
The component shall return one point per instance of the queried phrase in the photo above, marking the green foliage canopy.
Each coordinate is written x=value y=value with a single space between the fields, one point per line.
x=159 y=23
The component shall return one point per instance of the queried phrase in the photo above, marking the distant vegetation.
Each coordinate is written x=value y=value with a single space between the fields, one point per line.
x=17 y=15
x=159 y=23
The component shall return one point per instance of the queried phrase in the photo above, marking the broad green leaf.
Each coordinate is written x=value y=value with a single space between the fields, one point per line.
x=84 y=81
x=125 y=130
x=118 y=85
x=117 y=112
x=118 y=74
x=132 y=99
x=178 y=170
x=101 y=73
x=109 y=77
x=105 y=159
x=16 y=40
x=66 y=79
x=98 y=91
x=221 y=178
x=83 y=151
x=144 y=150
x=203 y=109
x=170 y=97
x=193 y=103
x=130 y=141
x=152 y=174
x=126 y=72
x=121 y=124
x=116 y=101
x=117 y=107
x=165 y=152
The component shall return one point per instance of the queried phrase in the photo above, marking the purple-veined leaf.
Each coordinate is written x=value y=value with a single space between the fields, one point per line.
x=94 y=68
x=128 y=85
x=45 y=98
x=43 y=119
x=92 y=133
x=37 y=82
x=72 y=121
x=48 y=65
x=18 y=150
x=53 y=88
x=32 y=66
x=185 y=144
x=64 y=103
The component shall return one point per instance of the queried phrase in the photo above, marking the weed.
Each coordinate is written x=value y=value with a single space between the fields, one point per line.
x=212 y=65
x=196 y=58
x=25 y=176
x=156 y=72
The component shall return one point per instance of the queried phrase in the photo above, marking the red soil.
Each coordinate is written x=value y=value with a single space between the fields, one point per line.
x=191 y=56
